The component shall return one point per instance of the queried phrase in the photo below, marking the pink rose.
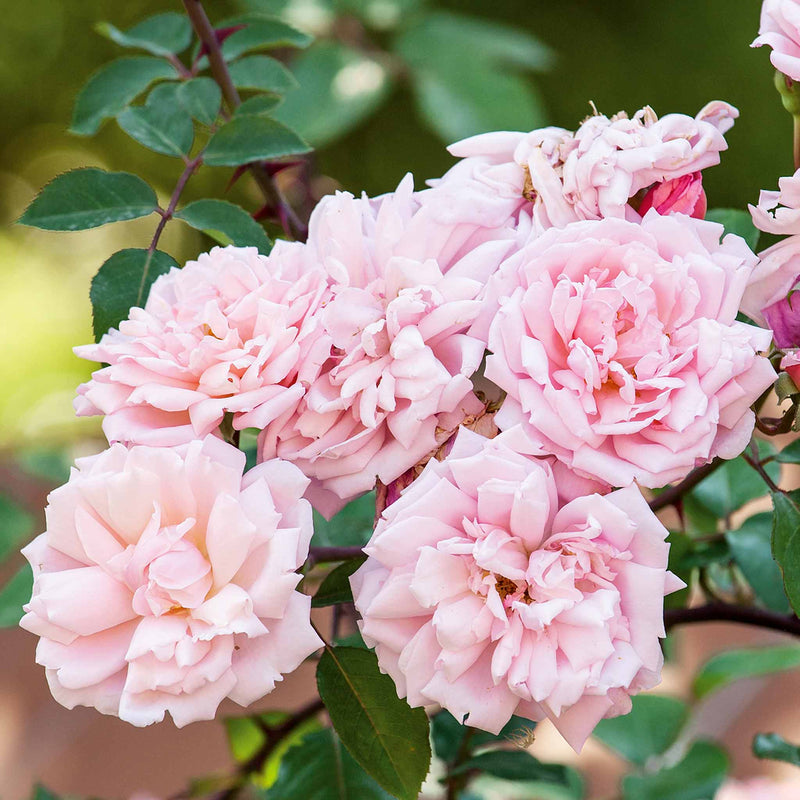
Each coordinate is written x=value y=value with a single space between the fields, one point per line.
x=618 y=347
x=780 y=30
x=790 y=364
x=684 y=195
x=784 y=319
x=166 y=582
x=485 y=593
x=233 y=332
x=398 y=381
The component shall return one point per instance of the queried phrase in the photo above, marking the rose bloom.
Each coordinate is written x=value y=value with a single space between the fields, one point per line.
x=398 y=380
x=233 y=332
x=780 y=30
x=618 y=347
x=556 y=177
x=488 y=594
x=790 y=364
x=166 y=582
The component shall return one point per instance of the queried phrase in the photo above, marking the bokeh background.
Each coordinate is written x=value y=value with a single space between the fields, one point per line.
x=624 y=54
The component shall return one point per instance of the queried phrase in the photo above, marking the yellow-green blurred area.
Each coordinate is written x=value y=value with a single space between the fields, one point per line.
x=673 y=56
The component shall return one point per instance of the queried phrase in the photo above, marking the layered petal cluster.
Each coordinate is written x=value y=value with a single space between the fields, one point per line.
x=780 y=30
x=619 y=349
x=487 y=595
x=233 y=332
x=398 y=379
x=165 y=581
x=556 y=177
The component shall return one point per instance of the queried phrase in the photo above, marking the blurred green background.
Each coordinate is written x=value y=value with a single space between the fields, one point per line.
x=674 y=56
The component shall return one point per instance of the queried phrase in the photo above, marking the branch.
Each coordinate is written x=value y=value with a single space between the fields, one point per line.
x=726 y=612
x=673 y=495
x=166 y=216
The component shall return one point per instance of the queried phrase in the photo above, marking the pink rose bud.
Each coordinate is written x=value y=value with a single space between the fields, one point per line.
x=682 y=195
x=791 y=366
x=784 y=319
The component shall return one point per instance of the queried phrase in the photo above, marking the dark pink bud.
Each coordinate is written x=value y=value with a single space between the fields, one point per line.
x=682 y=195
x=784 y=319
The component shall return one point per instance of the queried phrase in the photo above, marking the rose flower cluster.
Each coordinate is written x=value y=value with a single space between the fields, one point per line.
x=563 y=286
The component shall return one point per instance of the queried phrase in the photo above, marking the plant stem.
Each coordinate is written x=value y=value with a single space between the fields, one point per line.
x=166 y=216
x=292 y=224
x=726 y=612
x=673 y=495
x=318 y=554
x=755 y=462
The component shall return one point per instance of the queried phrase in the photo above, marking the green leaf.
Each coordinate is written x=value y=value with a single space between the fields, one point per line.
x=513 y=765
x=382 y=733
x=162 y=124
x=650 y=728
x=123 y=282
x=200 y=98
x=751 y=548
x=226 y=223
x=786 y=545
x=790 y=454
x=319 y=768
x=733 y=665
x=87 y=198
x=336 y=586
x=447 y=733
x=14 y=595
x=40 y=793
x=263 y=73
x=16 y=526
x=260 y=33
x=736 y=221
x=696 y=777
x=735 y=484
x=161 y=35
x=259 y=104
x=339 y=88
x=774 y=746
x=351 y=527
x=113 y=87
x=680 y=548
x=251 y=138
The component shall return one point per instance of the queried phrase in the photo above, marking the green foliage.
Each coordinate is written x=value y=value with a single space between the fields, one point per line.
x=786 y=544
x=162 y=124
x=513 y=765
x=86 y=198
x=351 y=527
x=461 y=76
x=696 y=777
x=263 y=73
x=16 y=526
x=448 y=735
x=751 y=549
x=40 y=793
x=652 y=726
x=339 y=88
x=251 y=138
x=261 y=32
x=162 y=35
x=382 y=733
x=736 y=221
x=680 y=546
x=790 y=454
x=774 y=746
x=123 y=282
x=733 y=665
x=258 y=104
x=13 y=595
x=113 y=87
x=336 y=586
x=319 y=768
x=201 y=98
x=225 y=223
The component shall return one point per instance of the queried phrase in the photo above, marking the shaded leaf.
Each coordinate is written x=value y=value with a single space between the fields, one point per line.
x=260 y=33
x=113 y=87
x=252 y=138
x=736 y=221
x=447 y=734
x=123 y=282
x=87 y=198
x=259 y=104
x=651 y=727
x=336 y=586
x=382 y=733
x=680 y=548
x=733 y=665
x=161 y=35
x=790 y=454
x=774 y=746
x=16 y=526
x=339 y=88
x=263 y=73
x=226 y=223
x=696 y=777
x=161 y=124
x=200 y=98
x=351 y=527
x=514 y=765
x=14 y=595
x=786 y=545
x=40 y=793
x=751 y=548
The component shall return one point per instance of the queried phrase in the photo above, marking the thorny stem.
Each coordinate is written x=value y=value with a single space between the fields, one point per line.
x=455 y=783
x=673 y=495
x=166 y=216
x=755 y=462
x=728 y=612
x=292 y=224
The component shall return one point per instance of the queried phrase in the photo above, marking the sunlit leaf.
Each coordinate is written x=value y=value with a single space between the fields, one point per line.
x=251 y=138
x=226 y=223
